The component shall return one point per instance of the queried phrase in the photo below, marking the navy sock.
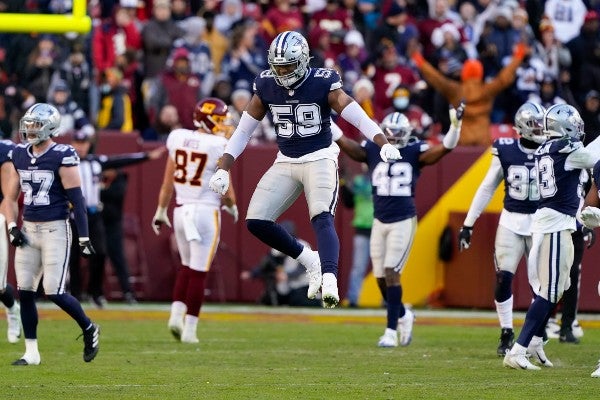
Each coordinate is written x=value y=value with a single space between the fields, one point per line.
x=71 y=306
x=29 y=314
x=8 y=296
x=393 y=306
x=401 y=310
x=328 y=242
x=273 y=235
x=536 y=315
x=503 y=286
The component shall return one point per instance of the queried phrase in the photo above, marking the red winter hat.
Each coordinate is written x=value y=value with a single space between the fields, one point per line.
x=472 y=69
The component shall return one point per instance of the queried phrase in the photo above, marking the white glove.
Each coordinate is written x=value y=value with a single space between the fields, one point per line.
x=590 y=217
x=451 y=138
x=233 y=211
x=219 y=182
x=160 y=217
x=389 y=153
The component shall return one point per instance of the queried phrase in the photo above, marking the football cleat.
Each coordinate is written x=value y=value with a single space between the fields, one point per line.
x=405 y=326
x=536 y=349
x=13 y=318
x=577 y=329
x=552 y=329
x=176 y=326
x=507 y=338
x=330 y=294
x=28 y=359
x=567 y=336
x=596 y=373
x=518 y=361
x=389 y=338
x=91 y=342
x=315 y=279
x=187 y=336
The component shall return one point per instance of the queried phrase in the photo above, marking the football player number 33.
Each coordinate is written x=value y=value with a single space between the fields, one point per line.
x=183 y=159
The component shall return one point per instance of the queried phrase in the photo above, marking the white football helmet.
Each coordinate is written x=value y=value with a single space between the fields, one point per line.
x=288 y=58
x=396 y=128
x=529 y=120
x=40 y=122
x=563 y=120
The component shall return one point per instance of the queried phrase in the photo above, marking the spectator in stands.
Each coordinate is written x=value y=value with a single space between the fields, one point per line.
x=72 y=117
x=167 y=120
x=439 y=14
x=503 y=36
x=363 y=92
x=231 y=13
x=246 y=58
x=282 y=16
x=198 y=51
x=265 y=132
x=158 y=36
x=548 y=94
x=446 y=40
x=115 y=105
x=585 y=52
x=40 y=67
x=420 y=122
x=76 y=72
x=478 y=95
x=553 y=53
x=590 y=113
x=350 y=61
x=322 y=56
x=179 y=10
x=396 y=27
x=336 y=20
x=217 y=42
x=177 y=86
x=113 y=38
x=566 y=16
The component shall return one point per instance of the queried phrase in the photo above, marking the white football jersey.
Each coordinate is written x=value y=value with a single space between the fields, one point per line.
x=195 y=155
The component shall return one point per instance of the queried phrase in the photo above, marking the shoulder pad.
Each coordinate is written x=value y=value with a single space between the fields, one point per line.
x=570 y=147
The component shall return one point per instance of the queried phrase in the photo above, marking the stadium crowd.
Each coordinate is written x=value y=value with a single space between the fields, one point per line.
x=145 y=64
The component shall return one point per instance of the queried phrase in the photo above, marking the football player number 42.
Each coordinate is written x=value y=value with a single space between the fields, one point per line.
x=183 y=159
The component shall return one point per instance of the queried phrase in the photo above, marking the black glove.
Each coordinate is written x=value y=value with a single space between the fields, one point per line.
x=17 y=237
x=85 y=247
x=464 y=237
x=589 y=236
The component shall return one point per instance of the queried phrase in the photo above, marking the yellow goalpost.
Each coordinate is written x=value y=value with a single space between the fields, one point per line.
x=78 y=21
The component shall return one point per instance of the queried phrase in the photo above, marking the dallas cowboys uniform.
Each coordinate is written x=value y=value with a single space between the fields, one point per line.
x=6 y=147
x=45 y=217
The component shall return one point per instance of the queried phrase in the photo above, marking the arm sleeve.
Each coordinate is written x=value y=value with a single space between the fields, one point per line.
x=354 y=114
x=123 y=160
x=80 y=212
x=484 y=192
x=584 y=158
x=239 y=140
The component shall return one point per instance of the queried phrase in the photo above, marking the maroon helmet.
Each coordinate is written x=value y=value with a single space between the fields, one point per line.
x=211 y=115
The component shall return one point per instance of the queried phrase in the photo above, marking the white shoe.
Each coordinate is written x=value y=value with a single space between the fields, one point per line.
x=389 y=338
x=536 y=349
x=313 y=268
x=28 y=359
x=189 y=335
x=577 y=329
x=405 y=325
x=13 y=317
x=596 y=373
x=552 y=329
x=176 y=326
x=518 y=361
x=330 y=295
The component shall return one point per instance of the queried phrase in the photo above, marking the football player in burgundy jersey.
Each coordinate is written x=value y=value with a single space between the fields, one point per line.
x=513 y=163
x=48 y=175
x=560 y=164
x=7 y=292
x=300 y=100
x=193 y=156
x=395 y=222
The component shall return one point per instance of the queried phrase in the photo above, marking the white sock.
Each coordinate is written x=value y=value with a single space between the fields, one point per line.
x=178 y=308
x=190 y=324
x=31 y=350
x=536 y=340
x=505 y=313
x=304 y=257
x=517 y=349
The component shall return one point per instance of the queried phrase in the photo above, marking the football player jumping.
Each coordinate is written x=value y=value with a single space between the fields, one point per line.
x=395 y=222
x=560 y=163
x=7 y=292
x=300 y=100
x=193 y=156
x=48 y=175
x=512 y=163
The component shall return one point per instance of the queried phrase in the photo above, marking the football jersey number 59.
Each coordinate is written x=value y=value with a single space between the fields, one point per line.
x=303 y=119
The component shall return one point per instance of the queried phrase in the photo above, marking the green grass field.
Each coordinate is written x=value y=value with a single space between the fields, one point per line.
x=324 y=354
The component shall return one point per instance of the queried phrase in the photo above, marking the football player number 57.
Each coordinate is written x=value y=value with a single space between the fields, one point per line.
x=183 y=159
